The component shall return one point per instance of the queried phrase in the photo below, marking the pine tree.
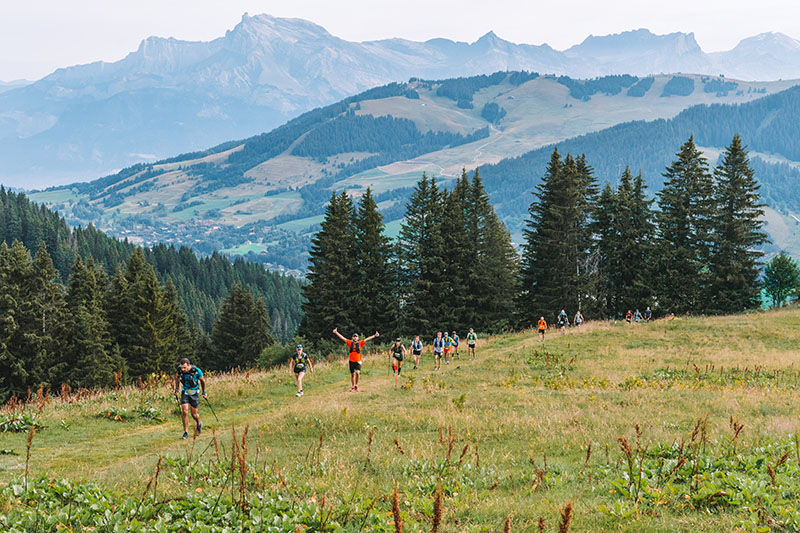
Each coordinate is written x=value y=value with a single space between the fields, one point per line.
x=781 y=279
x=684 y=231
x=48 y=329
x=458 y=260
x=241 y=332
x=737 y=234
x=332 y=293
x=605 y=227
x=14 y=305
x=421 y=250
x=378 y=306
x=556 y=269
x=92 y=361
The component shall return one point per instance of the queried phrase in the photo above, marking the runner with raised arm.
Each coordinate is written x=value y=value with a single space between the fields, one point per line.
x=354 y=348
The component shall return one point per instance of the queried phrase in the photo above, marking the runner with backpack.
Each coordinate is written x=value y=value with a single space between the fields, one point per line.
x=398 y=352
x=297 y=364
x=455 y=345
x=471 y=340
x=188 y=382
x=416 y=350
x=438 y=351
x=354 y=348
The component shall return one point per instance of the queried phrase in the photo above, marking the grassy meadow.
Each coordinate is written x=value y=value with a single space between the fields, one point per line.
x=679 y=425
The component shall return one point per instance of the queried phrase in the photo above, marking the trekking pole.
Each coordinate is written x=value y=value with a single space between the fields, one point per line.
x=212 y=409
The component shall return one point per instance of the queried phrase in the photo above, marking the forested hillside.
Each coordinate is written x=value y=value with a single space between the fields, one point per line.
x=263 y=197
x=768 y=125
x=201 y=284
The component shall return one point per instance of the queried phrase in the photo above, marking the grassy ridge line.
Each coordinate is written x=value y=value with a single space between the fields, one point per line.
x=513 y=406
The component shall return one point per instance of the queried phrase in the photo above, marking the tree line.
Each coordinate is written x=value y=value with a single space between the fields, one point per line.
x=598 y=251
x=99 y=332
x=201 y=283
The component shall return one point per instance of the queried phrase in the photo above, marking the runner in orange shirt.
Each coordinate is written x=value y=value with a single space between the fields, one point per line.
x=354 y=347
x=542 y=328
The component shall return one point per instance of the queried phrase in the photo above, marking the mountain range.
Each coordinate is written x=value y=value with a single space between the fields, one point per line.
x=171 y=96
x=265 y=194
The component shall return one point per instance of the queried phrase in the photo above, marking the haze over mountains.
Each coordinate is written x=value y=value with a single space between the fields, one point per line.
x=172 y=96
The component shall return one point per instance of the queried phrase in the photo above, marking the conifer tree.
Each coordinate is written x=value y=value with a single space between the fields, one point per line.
x=781 y=279
x=421 y=250
x=332 y=293
x=241 y=331
x=92 y=361
x=15 y=318
x=684 y=220
x=605 y=228
x=378 y=307
x=736 y=234
x=556 y=271
x=48 y=330
x=457 y=256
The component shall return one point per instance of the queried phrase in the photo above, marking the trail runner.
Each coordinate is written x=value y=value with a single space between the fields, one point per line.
x=628 y=317
x=448 y=347
x=648 y=314
x=398 y=353
x=354 y=348
x=438 y=349
x=563 y=321
x=297 y=364
x=455 y=345
x=471 y=340
x=188 y=382
x=542 y=325
x=578 y=319
x=416 y=350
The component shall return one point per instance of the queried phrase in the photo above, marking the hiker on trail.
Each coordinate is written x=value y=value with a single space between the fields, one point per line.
x=398 y=353
x=416 y=350
x=455 y=345
x=297 y=364
x=354 y=347
x=189 y=381
x=628 y=317
x=542 y=328
x=448 y=346
x=648 y=314
x=578 y=319
x=471 y=340
x=637 y=316
x=563 y=321
x=438 y=349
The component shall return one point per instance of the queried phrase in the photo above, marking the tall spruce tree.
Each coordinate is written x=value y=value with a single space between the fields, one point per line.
x=685 y=218
x=556 y=272
x=16 y=318
x=422 y=266
x=49 y=328
x=92 y=360
x=736 y=234
x=378 y=307
x=332 y=292
x=457 y=258
x=605 y=229
x=241 y=331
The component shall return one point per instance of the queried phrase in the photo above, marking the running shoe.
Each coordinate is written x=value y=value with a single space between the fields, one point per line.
x=185 y=436
x=199 y=427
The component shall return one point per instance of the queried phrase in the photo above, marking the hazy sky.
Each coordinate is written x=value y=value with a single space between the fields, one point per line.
x=38 y=36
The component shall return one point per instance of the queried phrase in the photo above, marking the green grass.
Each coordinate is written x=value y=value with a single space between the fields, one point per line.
x=301 y=224
x=504 y=435
x=244 y=249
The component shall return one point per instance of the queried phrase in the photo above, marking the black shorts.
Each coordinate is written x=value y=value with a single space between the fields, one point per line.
x=437 y=354
x=541 y=331
x=355 y=367
x=398 y=356
x=298 y=370
x=471 y=345
x=192 y=399
x=417 y=352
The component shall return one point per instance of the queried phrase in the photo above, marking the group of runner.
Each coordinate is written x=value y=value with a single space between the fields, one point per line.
x=445 y=348
x=637 y=317
x=189 y=381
